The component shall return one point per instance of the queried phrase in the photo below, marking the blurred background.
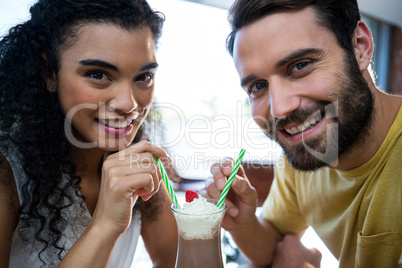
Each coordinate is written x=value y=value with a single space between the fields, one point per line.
x=199 y=100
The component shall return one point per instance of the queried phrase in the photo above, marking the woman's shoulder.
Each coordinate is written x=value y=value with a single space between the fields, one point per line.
x=9 y=203
x=8 y=188
x=12 y=175
x=6 y=172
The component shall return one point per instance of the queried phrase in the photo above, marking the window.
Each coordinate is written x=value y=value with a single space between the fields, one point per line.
x=198 y=92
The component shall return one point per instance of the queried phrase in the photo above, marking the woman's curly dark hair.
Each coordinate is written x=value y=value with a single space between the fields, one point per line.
x=31 y=116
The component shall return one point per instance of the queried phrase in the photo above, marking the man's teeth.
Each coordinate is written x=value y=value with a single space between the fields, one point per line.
x=306 y=125
x=116 y=123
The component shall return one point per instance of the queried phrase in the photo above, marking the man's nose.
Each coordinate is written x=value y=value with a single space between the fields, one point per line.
x=283 y=98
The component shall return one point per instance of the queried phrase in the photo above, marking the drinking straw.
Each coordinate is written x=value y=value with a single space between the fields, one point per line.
x=167 y=183
x=231 y=179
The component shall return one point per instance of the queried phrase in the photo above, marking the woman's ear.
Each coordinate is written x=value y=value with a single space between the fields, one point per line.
x=50 y=77
x=363 y=45
x=51 y=84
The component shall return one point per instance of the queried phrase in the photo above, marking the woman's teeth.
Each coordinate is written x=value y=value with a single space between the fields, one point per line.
x=306 y=125
x=116 y=123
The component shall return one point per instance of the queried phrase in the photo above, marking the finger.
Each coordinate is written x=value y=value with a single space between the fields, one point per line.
x=209 y=181
x=147 y=195
x=134 y=163
x=146 y=164
x=144 y=146
x=137 y=158
x=246 y=192
x=156 y=151
x=156 y=180
x=214 y=193
x=241 y=172
x=142 y=183
x=227 y=166
x=315 y=257
x=216 y=170
x=218 y=176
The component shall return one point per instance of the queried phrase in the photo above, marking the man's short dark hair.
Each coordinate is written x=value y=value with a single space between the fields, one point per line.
x=339 y=16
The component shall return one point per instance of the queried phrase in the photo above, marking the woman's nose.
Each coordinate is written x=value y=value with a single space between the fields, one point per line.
x=123 y=100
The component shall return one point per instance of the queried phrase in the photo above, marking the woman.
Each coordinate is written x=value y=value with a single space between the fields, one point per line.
x=76 y=82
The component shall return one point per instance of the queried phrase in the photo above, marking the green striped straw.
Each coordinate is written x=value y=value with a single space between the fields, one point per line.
x=167 y=183
x=231 y=179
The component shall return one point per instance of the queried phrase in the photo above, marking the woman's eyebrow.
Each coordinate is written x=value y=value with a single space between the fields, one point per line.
x=152 y=65
x=99 y=63
x=104 y=64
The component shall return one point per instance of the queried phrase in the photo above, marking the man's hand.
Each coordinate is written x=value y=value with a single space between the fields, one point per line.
x=291 y=253
x=241 y=200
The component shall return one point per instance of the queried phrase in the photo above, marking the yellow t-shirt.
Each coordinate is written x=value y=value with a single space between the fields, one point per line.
x=357 y=213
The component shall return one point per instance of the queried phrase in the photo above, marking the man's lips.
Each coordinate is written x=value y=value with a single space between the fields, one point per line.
x=307 y=124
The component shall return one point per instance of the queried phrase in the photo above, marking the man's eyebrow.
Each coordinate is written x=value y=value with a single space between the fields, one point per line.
x=297 y=54
x=99 y=63
x=294 y=55
x=247 y=79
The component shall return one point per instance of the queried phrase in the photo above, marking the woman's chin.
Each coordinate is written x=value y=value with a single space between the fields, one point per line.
x=114 y=146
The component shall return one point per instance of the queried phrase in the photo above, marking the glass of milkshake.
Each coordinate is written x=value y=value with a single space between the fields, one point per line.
x=199 y=228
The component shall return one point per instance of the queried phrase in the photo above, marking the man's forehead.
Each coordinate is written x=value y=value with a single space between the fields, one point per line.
x=281 y=21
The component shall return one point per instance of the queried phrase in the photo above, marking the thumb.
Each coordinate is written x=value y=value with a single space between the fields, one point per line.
x=241 y=172
x=246 y=192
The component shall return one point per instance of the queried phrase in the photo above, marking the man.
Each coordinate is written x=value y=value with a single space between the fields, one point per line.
x=305 y=66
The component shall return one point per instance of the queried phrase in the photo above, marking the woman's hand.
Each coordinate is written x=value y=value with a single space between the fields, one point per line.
x=126 y=175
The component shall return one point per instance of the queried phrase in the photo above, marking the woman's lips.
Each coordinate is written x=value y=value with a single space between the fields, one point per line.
x=116 y=127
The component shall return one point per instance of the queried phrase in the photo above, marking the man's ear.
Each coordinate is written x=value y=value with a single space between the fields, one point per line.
x=363 y=45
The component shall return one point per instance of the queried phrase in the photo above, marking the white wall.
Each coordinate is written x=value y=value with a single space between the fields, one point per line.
x=385 y=10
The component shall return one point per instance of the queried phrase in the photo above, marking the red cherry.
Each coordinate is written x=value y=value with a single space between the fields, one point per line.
x=190 y=195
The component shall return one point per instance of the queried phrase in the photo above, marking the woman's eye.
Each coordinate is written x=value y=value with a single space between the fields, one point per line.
x=145 y=77
x=257 y=87
x=97 y=75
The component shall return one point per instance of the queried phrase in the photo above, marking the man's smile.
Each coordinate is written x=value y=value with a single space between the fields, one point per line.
x=309 y=123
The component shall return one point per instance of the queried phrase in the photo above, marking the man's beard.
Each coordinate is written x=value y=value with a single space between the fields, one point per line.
x=352 y=116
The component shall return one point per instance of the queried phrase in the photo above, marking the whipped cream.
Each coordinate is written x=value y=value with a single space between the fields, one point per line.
x=199 y=219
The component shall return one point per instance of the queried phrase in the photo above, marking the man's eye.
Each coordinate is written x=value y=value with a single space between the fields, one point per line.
x=300 y=66
x=257 y=87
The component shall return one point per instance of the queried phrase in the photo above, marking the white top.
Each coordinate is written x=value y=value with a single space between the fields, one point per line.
x=78 y=217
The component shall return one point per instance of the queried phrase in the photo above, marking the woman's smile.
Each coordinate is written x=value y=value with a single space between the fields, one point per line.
x=116 y=127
